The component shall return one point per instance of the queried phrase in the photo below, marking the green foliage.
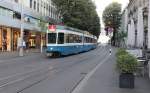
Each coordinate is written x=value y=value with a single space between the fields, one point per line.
x=126 y=63
x=112 y=18
x=112 y=15
x=121 y=51
x=79 y=14
x=42 y=25
x=122 y=35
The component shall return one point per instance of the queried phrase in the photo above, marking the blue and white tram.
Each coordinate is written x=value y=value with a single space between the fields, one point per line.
x=62 y=40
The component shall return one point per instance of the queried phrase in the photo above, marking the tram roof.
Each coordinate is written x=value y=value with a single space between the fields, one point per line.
x=73 y=29
x=68 y=28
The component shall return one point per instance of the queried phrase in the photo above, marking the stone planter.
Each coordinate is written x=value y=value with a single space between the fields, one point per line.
x=126 y=80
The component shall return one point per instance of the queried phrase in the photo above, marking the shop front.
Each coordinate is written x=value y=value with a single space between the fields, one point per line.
x=15 y=36
x=34 y=39
x=9 y=39
x=5 y=38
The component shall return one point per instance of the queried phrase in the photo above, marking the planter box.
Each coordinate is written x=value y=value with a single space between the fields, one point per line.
x=126 y=81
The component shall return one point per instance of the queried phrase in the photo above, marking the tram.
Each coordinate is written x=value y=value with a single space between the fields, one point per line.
x=62 y=40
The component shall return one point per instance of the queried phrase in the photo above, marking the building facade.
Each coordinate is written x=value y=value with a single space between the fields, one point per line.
x=133 y=13
x=34 y=13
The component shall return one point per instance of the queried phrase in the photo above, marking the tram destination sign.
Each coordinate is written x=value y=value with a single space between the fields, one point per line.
x=52 y=28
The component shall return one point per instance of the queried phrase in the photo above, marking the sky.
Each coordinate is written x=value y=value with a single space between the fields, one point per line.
x=101 y=4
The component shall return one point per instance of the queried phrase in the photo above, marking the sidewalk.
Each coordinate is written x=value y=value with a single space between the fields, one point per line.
x=106 y=78
x=15 y=54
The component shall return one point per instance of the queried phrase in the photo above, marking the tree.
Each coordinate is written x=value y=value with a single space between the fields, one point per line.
x=43 y=25
x=79 y=14
x=121 y=38
x=112 y=19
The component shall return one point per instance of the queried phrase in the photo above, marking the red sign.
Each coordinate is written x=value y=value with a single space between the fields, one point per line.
x=52 y=27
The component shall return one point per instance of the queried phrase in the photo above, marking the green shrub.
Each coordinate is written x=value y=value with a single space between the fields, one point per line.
x=121 y=51
x=126 y=63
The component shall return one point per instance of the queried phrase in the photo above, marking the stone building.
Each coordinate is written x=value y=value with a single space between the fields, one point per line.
x=34 y=12
x=137 y=10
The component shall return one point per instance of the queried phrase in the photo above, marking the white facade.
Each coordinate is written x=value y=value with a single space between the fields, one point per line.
x=137 y=10
x=34 y=12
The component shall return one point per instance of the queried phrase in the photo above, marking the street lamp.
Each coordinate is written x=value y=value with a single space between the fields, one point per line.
x=22 y=31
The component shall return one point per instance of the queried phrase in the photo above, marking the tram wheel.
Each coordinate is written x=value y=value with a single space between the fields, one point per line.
x=56 y=54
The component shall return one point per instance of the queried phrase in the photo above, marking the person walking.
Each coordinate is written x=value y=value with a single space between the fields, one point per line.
x=24 y=45
x=110 y=51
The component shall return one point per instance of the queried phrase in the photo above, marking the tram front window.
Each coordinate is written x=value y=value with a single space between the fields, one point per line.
x=52 y=38
x=61 y=38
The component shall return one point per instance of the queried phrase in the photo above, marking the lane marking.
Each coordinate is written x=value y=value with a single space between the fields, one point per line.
x=84 y=82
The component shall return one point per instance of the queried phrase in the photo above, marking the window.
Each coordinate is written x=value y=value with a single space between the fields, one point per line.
x=49 y=10
x=6 y=12
x=52 y=38
x=61 y=38
x=16 y=1
x=35 y=5
x=47 y=6
x=30 y=3
x=38 y=7
x=41 y=4
x=87 y=40
x=72 y=38
x=44 y=5
x=17 y=15
x=0 y=11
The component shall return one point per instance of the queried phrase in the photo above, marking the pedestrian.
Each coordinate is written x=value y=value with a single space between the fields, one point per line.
x=110 y=51
x=27 y=46
x=4 y=44
x=24 y=45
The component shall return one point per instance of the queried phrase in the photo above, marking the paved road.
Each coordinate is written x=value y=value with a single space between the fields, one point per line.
x=38 y=74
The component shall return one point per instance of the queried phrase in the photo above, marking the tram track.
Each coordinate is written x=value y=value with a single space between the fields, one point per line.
x=38 y=75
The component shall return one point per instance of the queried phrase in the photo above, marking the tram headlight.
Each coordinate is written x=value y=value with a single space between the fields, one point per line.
x=51 y=48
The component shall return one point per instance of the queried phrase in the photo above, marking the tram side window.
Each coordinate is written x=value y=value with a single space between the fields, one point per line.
x=72 y=38
x=69 y=38
x=51 y=38
x=61 y=38
x=86 y=39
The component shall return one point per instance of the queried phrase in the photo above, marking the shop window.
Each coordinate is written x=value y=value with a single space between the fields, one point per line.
x=0 y=39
